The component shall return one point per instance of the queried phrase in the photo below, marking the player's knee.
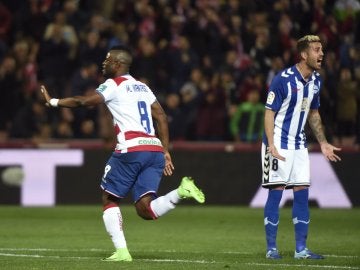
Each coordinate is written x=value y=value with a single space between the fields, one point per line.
x=108 y=199
x=144 y=211
x=144 y=214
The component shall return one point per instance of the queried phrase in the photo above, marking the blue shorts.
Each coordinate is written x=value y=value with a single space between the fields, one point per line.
x=139 y=172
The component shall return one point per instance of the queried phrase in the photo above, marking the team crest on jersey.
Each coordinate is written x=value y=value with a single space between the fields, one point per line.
x=305 y=104
x=102 y=88
x=316 y=89
x=270 y=98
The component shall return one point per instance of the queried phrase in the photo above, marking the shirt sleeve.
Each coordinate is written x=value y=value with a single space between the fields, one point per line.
x=315 y=104
x=150 y=97
x=275 y=95
x=107 y=89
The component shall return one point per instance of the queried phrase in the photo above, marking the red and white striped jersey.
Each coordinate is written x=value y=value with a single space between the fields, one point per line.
x=129 y=102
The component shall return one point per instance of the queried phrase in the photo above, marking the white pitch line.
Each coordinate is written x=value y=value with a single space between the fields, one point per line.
x=340 y=256
x=153 y=251
x=53 y=249
x=184 y=261
x=175 y=260
x=41 y=256
x=92 y=258
x=305 y=265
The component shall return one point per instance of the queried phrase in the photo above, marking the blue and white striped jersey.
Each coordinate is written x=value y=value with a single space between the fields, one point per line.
x=291 y=98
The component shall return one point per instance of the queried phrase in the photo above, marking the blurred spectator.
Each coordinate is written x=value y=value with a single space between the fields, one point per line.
x=328 y=93
x=146 y=16
x=10 y=91
x=68 y=32
x=31 y=121
x=54 y=61
x=189 y=94
x=146 y=61
x=211 y=116
x=5 y=27
x=83 y=82
x=63 y=130
x=92 y=50
x=228 y=85
x=88 y=129
x=25 y=51
x=99 y=24
x=252 y=80
x=246 y=124
x=32 y=18
x=175 y=117
x=347 y=12
x=84 y=79
x=182 y=60
x=75 y=16
x=63 y=126
x=347 y=95
x=118 y=35
x=230 y=46
x=260 y=52
x=277 y=64
x=85 y=124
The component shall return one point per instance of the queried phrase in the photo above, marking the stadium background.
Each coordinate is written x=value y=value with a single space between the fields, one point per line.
x=201 y=58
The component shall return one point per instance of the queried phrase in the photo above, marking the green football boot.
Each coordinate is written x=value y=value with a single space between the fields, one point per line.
x=187 y=190
x=120 y=255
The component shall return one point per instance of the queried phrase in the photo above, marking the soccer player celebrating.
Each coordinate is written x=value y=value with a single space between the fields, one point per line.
x=293 y=99
x=140 y=157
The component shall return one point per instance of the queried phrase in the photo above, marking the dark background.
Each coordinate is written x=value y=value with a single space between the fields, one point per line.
x=229 y=178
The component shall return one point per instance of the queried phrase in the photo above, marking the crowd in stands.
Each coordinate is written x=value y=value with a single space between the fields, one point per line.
x=209 y=62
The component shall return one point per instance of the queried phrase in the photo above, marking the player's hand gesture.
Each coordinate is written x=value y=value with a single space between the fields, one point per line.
x=274 y=152
x=328 y=151
x=169 y=166
x=45 y=95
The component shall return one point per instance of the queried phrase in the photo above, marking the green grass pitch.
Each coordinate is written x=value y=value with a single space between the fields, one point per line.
x=190 y=237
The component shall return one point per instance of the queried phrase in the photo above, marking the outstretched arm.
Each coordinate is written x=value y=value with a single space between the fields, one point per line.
x=72 y=102
x=317 y=128
x=163 y=131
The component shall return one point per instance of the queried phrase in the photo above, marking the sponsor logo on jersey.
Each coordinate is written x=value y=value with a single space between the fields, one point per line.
x=270 y=98
x=149 y=142
x=101 y=88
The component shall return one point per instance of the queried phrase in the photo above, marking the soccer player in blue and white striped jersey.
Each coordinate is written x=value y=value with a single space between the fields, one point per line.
x=293 y=99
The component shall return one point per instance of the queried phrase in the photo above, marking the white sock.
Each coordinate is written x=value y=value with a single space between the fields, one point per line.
x=164 y=204
x=113 y=223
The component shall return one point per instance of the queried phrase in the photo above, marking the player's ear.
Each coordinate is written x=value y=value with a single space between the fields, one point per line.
x=303 y=55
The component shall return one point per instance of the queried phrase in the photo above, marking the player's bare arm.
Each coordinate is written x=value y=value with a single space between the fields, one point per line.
x=163 y=132
x=316 y=126
x=72 y=102
x=269 y=131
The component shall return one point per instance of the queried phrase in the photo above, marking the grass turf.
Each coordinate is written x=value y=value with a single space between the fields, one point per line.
x=190 y=237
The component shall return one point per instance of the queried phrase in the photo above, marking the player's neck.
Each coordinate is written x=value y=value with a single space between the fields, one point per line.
x=304 y=71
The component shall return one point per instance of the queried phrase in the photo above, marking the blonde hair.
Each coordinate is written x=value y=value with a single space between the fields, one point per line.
x=303 y=43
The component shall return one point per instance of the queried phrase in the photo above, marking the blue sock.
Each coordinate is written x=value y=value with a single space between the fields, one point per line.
x=271 y=217
x=301 y=217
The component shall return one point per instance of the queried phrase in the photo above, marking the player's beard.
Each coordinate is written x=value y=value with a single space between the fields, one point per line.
x=314 y=65
x=108 y=72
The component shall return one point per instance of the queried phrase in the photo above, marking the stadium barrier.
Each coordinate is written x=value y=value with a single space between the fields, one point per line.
x=228 y=174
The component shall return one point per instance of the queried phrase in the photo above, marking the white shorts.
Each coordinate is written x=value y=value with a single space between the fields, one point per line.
x=294 y=171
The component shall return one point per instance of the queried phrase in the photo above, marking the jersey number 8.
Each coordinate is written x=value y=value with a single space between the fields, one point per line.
x=144 y=116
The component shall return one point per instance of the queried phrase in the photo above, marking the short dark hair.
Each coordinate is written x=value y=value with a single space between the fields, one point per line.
x=121 y=48
x=122 y=54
